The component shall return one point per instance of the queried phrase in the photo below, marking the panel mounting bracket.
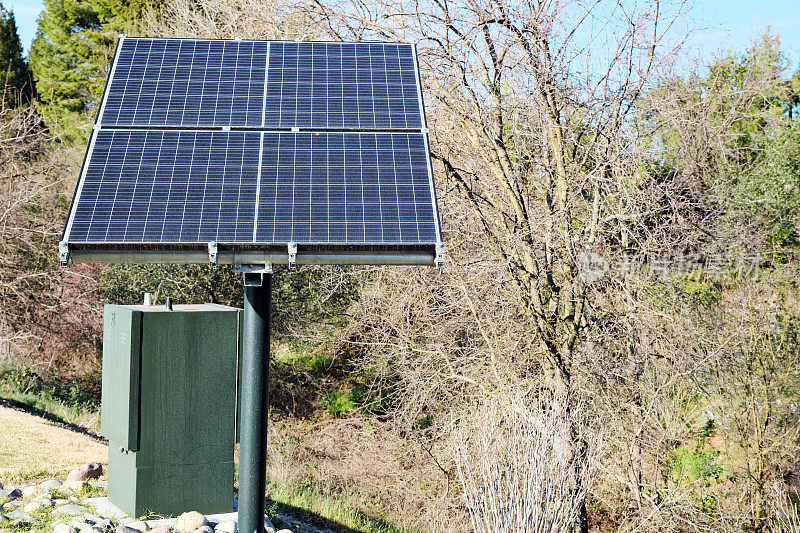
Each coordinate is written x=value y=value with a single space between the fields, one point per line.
x=213 y=249
x=63 y=253
x=253 y=273
x=292 y=255
x=439 y=260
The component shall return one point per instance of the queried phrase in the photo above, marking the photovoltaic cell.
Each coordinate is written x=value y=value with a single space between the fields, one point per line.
x=183 y=82
x=158 y=186
x=342 y=86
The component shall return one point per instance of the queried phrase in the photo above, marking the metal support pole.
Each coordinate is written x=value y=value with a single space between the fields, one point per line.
x=254 y=404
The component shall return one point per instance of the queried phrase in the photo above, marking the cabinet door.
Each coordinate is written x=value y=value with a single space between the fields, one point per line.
x=119 y=413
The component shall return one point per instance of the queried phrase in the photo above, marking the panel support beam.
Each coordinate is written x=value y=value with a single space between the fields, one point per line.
x=231 y=257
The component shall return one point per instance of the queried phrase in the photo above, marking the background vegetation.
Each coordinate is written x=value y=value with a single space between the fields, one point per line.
x=613 y=344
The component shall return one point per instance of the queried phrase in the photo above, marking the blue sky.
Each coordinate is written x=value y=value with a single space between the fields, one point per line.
x=725 y=23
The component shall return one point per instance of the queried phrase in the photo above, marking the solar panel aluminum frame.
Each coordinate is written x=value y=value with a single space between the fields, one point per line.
x=424 y=254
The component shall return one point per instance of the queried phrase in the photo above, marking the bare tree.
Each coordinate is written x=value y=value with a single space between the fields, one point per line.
x=531 y=104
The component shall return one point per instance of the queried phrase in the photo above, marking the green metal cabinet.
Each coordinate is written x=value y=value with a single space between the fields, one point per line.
x=169 y=407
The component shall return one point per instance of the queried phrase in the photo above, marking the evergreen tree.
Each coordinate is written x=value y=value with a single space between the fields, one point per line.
x=71 y=54
x=15 y=78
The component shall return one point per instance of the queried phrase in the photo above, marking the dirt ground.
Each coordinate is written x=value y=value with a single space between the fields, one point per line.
x=33 y=448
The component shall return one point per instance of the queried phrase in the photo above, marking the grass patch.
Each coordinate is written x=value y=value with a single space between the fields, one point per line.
x=67 y=404
x=338 y=404
x=309 y=505
x=33 y=448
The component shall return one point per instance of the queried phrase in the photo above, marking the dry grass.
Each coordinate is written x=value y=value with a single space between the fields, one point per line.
x=34 y=448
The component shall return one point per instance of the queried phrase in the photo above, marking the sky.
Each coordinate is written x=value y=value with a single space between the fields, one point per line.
x=725 y=24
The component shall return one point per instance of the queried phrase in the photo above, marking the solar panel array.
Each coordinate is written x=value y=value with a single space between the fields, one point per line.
x=256 y=142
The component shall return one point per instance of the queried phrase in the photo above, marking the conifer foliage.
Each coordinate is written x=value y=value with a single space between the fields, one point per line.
x=15 y=78
x=71 y=53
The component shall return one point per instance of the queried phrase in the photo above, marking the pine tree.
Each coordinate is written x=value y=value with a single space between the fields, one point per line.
x=71 y=54
x=15 y=78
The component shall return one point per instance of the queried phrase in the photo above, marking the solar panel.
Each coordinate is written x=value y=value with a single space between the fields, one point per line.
x=345 y=188
x=157 y=186
x=256 y=145
x=183 y=82
x=342 y=86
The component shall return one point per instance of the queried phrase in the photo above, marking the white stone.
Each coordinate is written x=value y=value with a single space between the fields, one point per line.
x=50 y=484
x=139 y=525
x=285 y=531
x=47 y=502
x=20 y=515
x=76 y=485
x=32 y=507
x=227 y=527
x=71 y=509
x=204 y=529
x=126 y=529
x=189 y=521
x=62 y=528
x=105 y=508
x=29 y=492
x=16 y=504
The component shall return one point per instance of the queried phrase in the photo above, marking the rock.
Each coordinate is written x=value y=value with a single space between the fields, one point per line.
x=15 y=504
x=188 y=522
x=62 y=528
x=284 y=531
x=102 y=523
x=87 y=471
x=11 y=494
x=83 y=527
x=20 y=515
x=50 y=484
x=71 y=509
x=160 y=529
x=126 y=529
x=44 y=493
x=139 y=525
x=1 y=485
x=76 y=485
x=204 y=529
x=32 y=507
x=29 y=492
x=227 y=527
x=47 y=503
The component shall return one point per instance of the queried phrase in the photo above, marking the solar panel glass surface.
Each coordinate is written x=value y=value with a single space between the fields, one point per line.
x=257 y=143
x=159 y=186
x=345 y=188
x=342 y=86
x=184 y=82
